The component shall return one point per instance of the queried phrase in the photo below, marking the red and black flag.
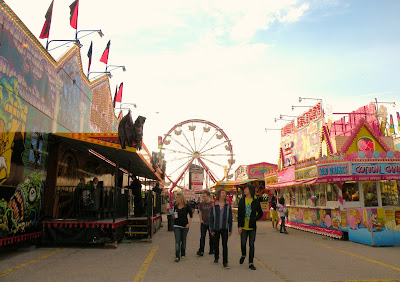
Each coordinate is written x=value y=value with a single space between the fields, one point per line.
x=118 y=95
x=46 y=27
x=104 y=57
x=73 y=18
x=89 y=54
x=115 y=95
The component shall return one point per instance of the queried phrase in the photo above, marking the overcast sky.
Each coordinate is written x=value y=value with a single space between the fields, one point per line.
x=238 y=64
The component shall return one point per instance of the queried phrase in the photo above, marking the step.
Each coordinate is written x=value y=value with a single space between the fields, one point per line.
x=136 y=232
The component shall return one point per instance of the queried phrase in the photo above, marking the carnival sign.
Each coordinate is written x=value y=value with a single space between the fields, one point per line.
x=333 y=170
x=376 y=169
x=241 y=172
x=305 y=173
x=196 y=177
x=257 y=171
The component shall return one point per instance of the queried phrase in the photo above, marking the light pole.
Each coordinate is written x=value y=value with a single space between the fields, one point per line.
x=115 y=67
x=100 y=72
x=276 y=119
x=281 y=116
x=133 y=104
x=301 y=107
x=302 y=98
x=269 y=129
x=76 y=40
x=390 y=103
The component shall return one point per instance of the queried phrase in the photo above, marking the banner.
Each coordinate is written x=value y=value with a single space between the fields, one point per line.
x=391 y=125
x=398 y=122
x=160 y=142
x=196 y=177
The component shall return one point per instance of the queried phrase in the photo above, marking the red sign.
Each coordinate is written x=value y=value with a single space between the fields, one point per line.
x=311 y=115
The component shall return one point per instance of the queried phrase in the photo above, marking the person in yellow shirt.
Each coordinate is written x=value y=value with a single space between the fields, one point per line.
x=249 y=211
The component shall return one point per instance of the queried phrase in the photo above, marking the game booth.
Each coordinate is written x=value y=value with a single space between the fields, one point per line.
x=340 y=179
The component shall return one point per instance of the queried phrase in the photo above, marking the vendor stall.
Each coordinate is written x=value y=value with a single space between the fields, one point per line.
x=349 y=188
x=253 y=174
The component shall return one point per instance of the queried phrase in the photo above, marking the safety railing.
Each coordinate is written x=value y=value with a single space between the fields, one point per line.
x=87 y=202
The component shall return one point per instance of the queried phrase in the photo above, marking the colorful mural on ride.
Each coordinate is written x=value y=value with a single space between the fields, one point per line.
x=38 y=96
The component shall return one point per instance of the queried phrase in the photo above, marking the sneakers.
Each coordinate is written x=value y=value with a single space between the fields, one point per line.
x=176 y=260
x=200 y=254
x=252 y=267
x=183 y=257
x=216 y=260
x=241 y=260
x=211 y=253
x=285 y=232
x=226 y=266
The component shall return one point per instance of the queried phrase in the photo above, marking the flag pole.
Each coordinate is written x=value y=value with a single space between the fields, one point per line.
x=76 y=30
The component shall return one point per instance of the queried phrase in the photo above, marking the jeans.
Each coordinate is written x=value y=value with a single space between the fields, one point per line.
x=180 y=241
x=243 y=239
x=203 y=231
x=283 y=223
x=223 y=233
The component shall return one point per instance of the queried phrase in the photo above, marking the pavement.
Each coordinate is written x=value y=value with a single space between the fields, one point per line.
x=297 y=256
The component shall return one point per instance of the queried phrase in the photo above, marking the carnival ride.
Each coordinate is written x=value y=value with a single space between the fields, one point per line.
x=200 y=143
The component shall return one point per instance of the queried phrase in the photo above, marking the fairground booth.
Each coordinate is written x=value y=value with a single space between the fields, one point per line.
x=56 y=127
x=341 y=179
x=253 y=174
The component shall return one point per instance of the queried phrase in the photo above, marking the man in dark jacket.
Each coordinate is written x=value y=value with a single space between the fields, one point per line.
x=249 y=211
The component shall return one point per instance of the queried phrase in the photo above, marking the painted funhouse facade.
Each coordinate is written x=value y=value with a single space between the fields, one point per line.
x=341 y=178
x=41 y=97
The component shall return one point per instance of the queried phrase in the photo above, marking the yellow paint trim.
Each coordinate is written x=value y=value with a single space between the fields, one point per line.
x=29 y=262
x=145 y=266
x=360 y=257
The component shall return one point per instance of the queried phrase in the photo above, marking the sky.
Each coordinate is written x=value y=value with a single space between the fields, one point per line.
x=237 y=64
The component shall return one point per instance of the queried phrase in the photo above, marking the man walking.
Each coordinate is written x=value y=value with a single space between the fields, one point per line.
x=204 y=215
x=249 y=211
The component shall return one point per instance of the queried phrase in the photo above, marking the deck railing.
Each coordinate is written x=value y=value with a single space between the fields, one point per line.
x=85 y=203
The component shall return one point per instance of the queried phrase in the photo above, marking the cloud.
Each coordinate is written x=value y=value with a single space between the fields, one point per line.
x=189 y=59
x=294 y=14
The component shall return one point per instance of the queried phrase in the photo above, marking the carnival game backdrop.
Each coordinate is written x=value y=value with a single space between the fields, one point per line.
x=326 y=218
x=374 y=226
x=37 y=96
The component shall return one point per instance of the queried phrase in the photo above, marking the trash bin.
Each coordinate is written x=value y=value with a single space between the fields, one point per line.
x=170 y=222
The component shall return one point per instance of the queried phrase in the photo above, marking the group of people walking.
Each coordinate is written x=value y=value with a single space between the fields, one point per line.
x=278 y=208
x=216 y=220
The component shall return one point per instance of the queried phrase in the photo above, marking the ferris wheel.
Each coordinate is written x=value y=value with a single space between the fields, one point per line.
x=196 y=143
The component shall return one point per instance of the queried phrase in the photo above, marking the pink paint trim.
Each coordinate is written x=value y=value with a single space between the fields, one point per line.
x=328 y=140
x=315 y=229
x=350 y=140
